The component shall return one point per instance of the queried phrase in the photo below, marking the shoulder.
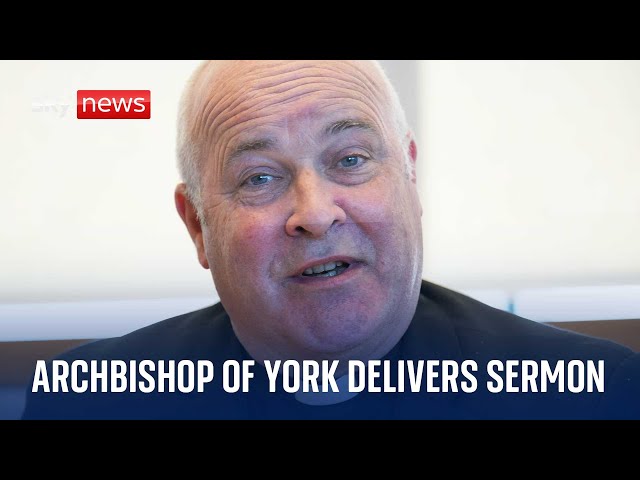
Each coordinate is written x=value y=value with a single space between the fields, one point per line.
x=475 y=331
x=187 y=335
x=205 y=334
x=478 y=326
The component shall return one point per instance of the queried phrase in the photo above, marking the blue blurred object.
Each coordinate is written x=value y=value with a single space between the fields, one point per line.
x=11 y=402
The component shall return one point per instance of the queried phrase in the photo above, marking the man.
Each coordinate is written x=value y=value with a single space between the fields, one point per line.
x=300 y=196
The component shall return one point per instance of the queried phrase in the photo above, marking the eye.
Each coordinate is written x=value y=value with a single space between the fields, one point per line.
x=351 y=161
x=260 y=179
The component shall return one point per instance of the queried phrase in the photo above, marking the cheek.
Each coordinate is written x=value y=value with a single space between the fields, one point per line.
x=376 y=205
x=389 y=214
x=243 y=244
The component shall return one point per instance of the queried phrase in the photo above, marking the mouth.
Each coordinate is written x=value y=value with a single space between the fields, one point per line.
x=327 y=273
x=328 y=269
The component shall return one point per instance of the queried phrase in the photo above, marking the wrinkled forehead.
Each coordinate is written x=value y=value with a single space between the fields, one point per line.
x=237 y=99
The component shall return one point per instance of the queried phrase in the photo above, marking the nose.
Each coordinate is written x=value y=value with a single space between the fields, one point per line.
x=315 y=210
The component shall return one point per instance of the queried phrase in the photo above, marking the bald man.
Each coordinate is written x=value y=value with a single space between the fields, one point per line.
x=299 y=194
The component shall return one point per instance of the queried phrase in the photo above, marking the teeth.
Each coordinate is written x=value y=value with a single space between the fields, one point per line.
x=325 y=267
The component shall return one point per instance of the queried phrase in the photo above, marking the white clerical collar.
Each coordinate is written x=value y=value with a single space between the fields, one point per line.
x=330 y=397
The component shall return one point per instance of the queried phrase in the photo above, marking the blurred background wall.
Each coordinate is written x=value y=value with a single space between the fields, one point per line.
x=529 y=175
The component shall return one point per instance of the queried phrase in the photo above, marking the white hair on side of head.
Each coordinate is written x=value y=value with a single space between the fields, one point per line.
x=399 y=117
x=187 y=147
x=189 y=150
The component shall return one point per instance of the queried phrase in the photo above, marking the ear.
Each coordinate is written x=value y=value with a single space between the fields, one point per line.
x=413 y=157
x=188 y=214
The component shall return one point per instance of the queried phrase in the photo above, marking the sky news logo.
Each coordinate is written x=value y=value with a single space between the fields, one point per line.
x=114 y=104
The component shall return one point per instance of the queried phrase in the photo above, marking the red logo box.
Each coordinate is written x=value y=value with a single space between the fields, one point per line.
x=114 y=104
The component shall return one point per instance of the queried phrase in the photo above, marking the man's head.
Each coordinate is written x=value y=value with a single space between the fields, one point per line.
x=300 y=196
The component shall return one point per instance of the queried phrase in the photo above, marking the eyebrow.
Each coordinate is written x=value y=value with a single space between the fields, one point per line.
x=342 y=125
x=252 y=146
x=268 y=143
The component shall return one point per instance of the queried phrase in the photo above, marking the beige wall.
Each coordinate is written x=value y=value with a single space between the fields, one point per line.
x=530 y=172
x=87 y=205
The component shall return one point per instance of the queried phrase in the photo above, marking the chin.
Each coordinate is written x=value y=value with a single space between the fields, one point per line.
x=340 y=335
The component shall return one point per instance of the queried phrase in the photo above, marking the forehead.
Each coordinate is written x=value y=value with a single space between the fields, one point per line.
x=243 y=99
